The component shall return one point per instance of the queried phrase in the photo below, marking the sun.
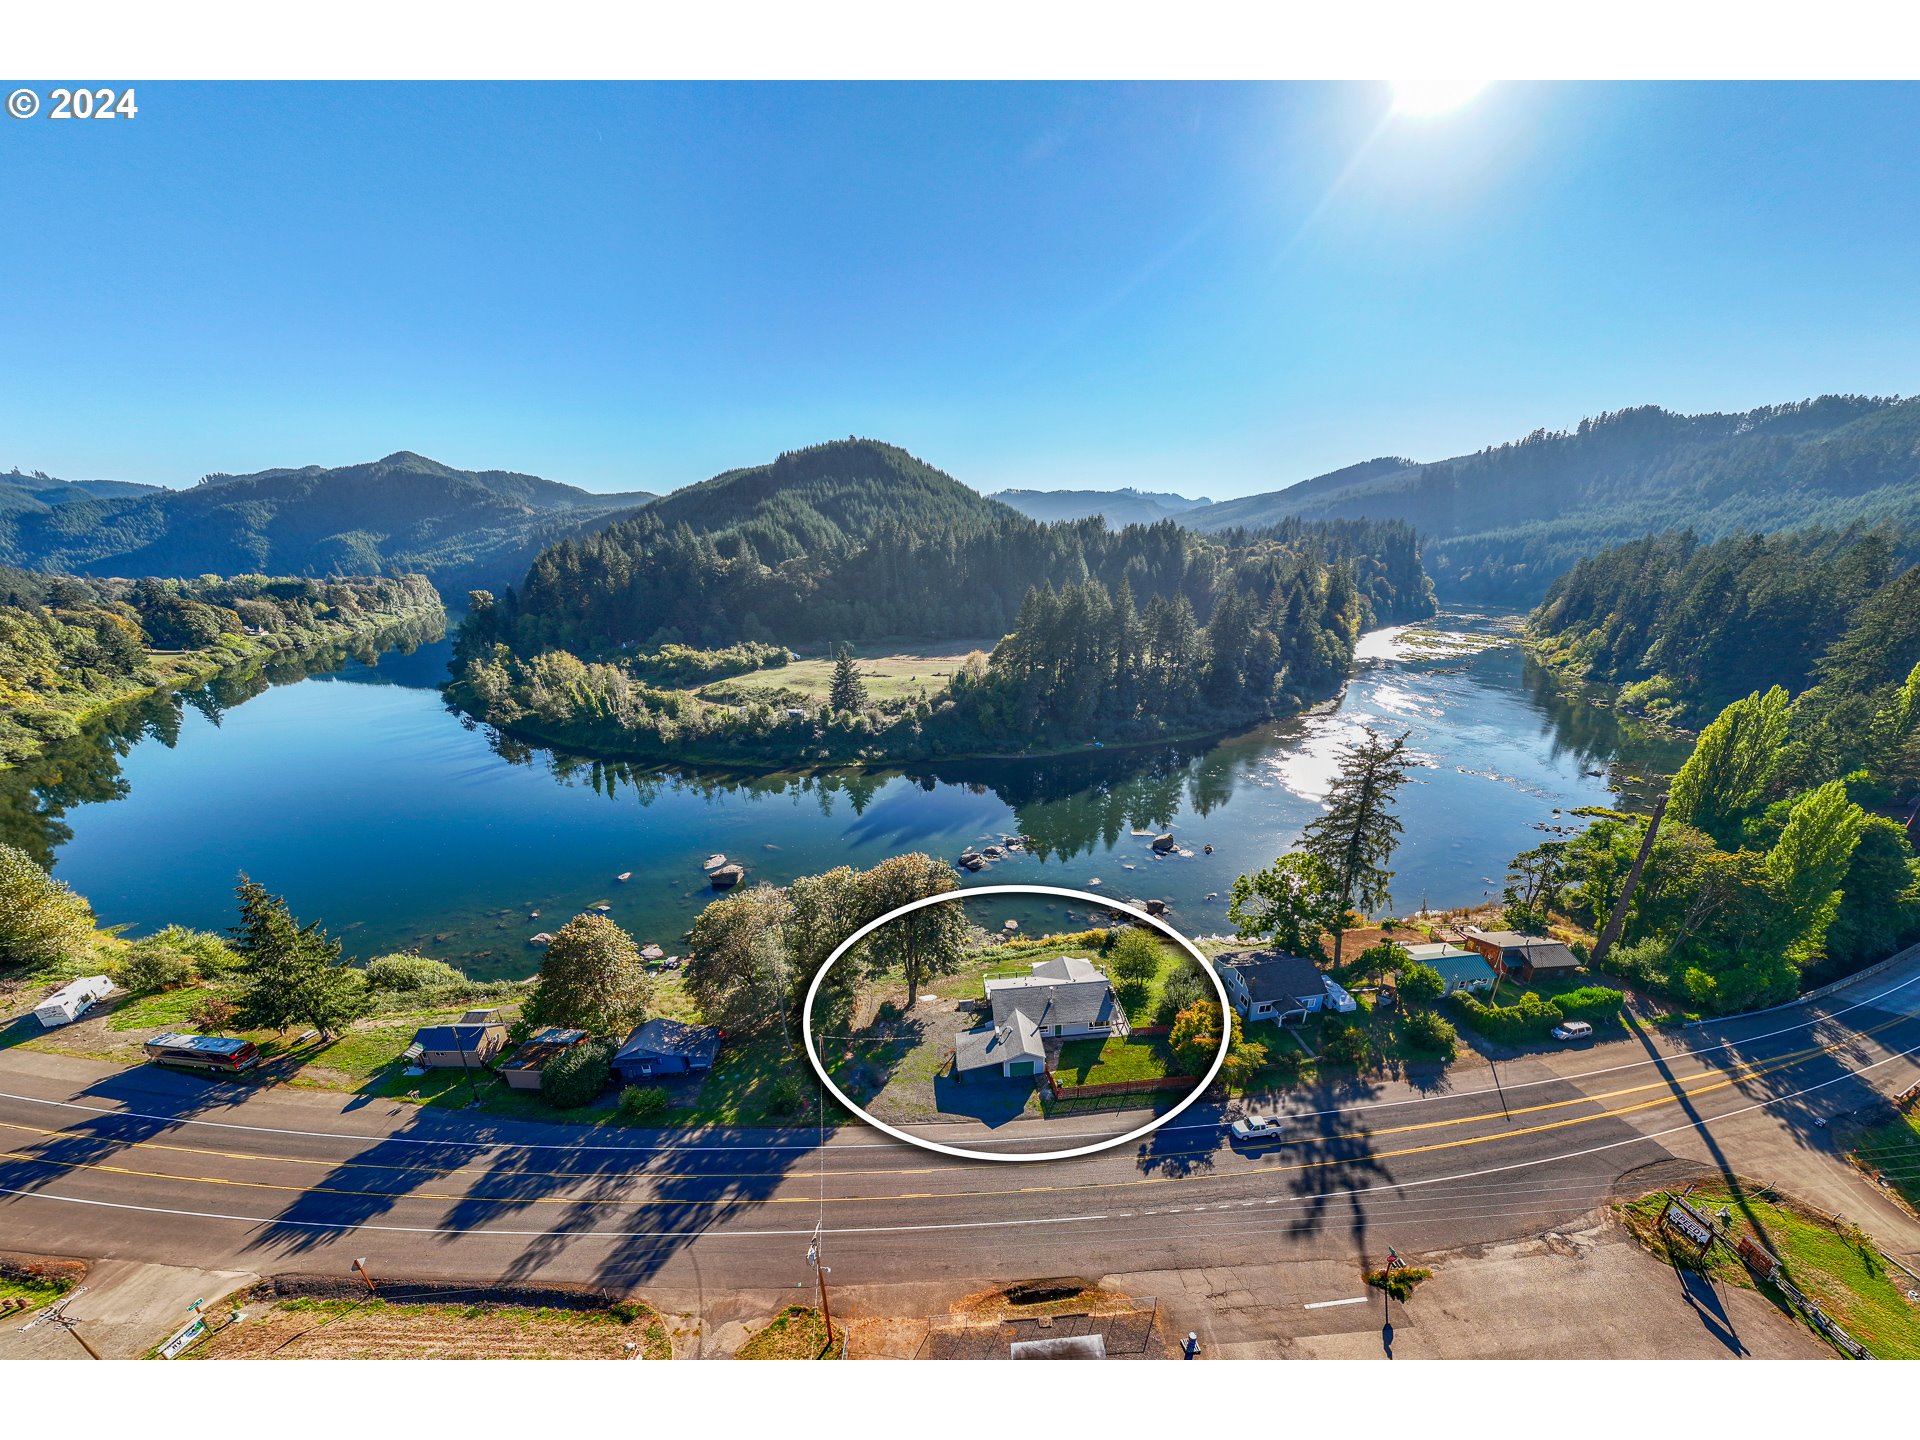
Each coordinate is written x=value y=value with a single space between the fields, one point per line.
x=1433 y=94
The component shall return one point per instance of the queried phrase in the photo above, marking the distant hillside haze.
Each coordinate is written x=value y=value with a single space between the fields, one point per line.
x=1501 y=524
x=1118 y=508
x=402 y=514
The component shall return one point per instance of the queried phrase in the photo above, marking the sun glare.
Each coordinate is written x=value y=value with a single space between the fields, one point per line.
x=1433 y=94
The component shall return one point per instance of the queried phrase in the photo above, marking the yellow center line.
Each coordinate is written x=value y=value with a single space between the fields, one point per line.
x=458 y=1197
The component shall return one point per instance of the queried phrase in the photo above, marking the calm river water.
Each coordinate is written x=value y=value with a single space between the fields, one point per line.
x=375 y=810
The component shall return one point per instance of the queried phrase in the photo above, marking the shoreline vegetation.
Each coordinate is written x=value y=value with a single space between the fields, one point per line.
x=73 y=651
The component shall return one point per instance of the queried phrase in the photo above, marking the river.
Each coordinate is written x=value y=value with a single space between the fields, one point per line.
x=398 y=824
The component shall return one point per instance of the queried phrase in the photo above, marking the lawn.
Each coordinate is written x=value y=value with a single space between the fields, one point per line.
x=796 y=1333
x=36 y=1289
x=1114 y=1062
x=890 y=672
x=1839 y=1269
x=1893 y=1149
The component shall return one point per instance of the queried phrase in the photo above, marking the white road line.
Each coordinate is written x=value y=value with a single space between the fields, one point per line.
x=268 y=1222
x=1329 y=1304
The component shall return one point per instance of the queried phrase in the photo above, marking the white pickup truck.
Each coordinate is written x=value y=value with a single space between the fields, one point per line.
x=1252 y=1129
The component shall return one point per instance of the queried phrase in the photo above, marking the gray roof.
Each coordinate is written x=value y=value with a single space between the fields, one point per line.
x=1067 y=990
x=1017 y=1038
x=1274 y=975
x=670 y=1037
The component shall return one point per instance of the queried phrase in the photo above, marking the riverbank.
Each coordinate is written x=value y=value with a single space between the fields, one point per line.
x=42 y=714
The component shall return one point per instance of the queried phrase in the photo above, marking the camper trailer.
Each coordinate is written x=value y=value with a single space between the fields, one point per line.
x=72 y=1000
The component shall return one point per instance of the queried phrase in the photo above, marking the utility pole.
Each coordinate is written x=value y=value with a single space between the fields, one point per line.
x=820 y=1273
x=1617 y=921
x=56 y=1314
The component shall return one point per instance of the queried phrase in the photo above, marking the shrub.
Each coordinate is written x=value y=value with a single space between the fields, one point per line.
x=1421 y=984
x=1529 y=1019
x=791 y=1096
x=1648 y=961
x=211 y=955
x=150 y=968
x=1134 y=957
x=1429 y=1030
x=1185 y=988
x=1346 y=1045
x=641 y=1103
x=411 y=974
x=577 y=1075
x=1398 y=1282
x=1376 y=960
x=1595 y=1004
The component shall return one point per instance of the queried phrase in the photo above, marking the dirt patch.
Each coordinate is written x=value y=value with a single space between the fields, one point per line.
x=303 y=1328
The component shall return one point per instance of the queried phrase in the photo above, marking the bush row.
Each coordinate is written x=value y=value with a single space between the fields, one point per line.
x=1533 y=1016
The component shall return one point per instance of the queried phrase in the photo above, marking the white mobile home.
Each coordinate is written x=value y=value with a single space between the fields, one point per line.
x=72 y=1000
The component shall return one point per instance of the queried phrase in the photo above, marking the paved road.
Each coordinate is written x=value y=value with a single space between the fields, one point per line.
x=149 y=1165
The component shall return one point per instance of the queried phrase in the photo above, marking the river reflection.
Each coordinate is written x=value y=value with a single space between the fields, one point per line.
x=398 y=823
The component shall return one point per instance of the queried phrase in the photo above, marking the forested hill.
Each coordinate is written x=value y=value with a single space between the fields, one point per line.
x=1125 y=506
x=402 y=514
x=1688 y=627
x=1503 y=523
x=857 y=540
x=35 y=491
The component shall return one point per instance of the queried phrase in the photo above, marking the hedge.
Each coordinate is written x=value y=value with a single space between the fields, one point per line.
x=1533 y=1017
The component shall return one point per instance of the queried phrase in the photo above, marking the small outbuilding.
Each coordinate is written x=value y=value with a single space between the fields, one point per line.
x=522 y=1069
x=468 y=1043
x=663 y=1048
x=1522 y=957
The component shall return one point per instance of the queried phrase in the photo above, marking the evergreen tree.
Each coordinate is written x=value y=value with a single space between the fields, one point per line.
x=1356 y=837
x=848 y=691
x=291 y=973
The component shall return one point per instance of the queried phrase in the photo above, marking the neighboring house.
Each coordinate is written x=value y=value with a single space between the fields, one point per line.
x=1523 y=957
x=468 y=1043
x=1272 y=984
x=1459 y=969
x=661 y=1048
x=522 y=1071
x=1067 y=998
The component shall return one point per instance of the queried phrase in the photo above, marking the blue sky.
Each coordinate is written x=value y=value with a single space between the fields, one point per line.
x=1213 y=289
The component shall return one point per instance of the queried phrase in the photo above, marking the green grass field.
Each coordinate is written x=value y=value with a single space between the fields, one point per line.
x=1113 y=1062
x=890 y=672
x=1894 y=1149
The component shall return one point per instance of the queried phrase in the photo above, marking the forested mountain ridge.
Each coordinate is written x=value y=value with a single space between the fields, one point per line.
x=1501 y=524
x=35 y=491
x=400 y=514
x=1129 y=634
x=1125 y=506
x=855 y=540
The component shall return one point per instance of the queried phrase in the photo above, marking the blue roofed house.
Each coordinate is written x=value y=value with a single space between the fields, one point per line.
x=1063 y=998
x=467 y=1043
x=1460 y=969
x=661 y=1049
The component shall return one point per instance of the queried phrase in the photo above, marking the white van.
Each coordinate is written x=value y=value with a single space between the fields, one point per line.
x=72 y=1000
x=1572 y=1030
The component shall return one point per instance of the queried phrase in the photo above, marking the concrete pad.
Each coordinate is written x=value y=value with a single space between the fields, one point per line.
x=126 y=1310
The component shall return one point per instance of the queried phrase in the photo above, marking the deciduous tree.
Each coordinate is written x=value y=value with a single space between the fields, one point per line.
x=591 y=978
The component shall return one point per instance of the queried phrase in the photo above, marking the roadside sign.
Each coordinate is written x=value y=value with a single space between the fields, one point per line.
x=1687 y=1221
x=183 y=1337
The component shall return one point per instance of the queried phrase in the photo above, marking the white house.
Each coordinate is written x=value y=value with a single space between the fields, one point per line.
x=1066 y=998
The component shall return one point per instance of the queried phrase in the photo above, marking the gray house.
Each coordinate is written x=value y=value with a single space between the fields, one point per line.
x=1067 y=997
x=664 y=1048
x=1272 y=985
